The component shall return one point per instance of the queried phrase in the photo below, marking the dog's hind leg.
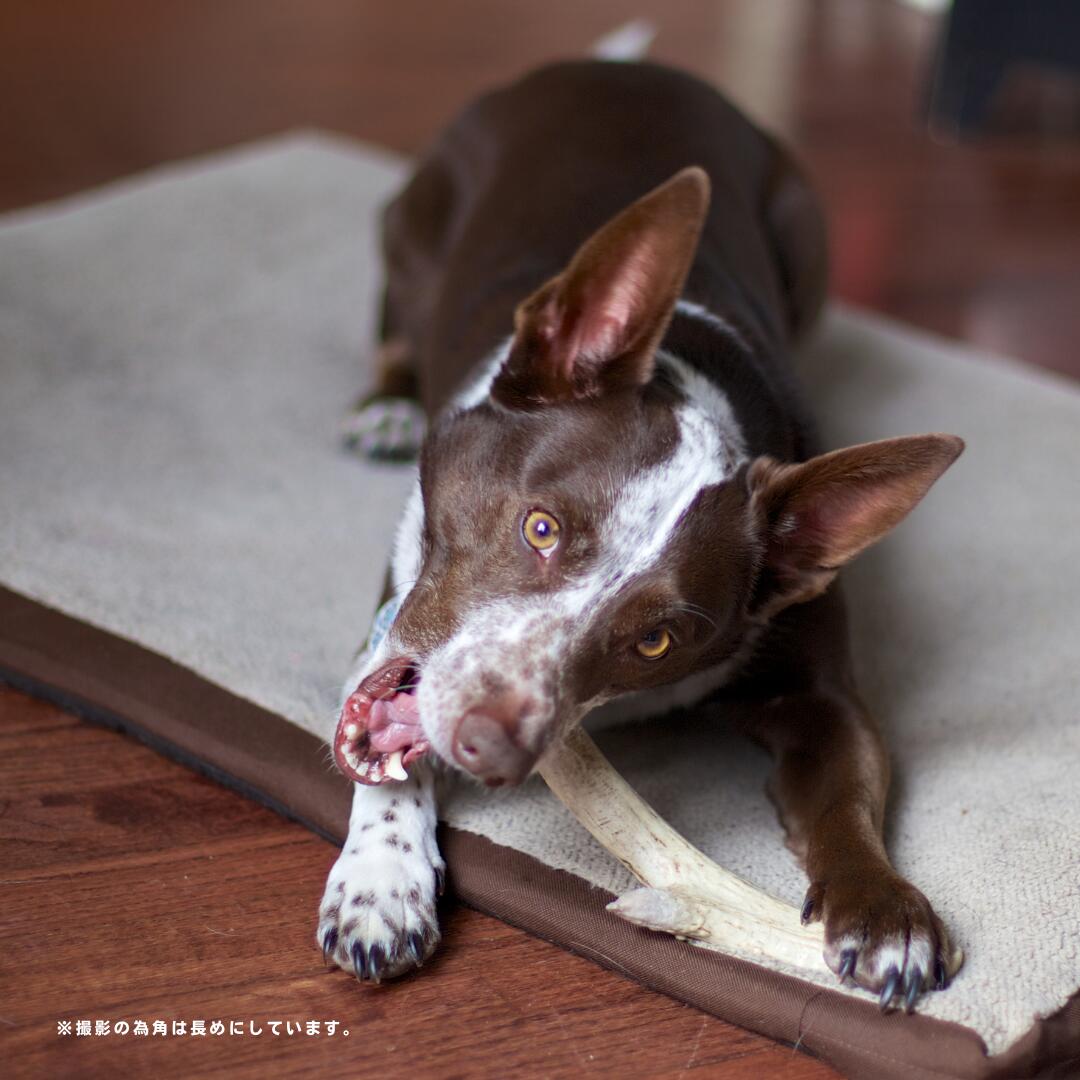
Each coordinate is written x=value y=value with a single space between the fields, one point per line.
x=387 y=423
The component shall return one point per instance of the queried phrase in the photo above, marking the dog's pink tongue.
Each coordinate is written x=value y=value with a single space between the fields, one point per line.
x=393 y=723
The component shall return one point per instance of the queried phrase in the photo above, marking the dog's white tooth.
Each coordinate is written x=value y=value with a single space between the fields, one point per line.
x=351 y=731
x=394 y=768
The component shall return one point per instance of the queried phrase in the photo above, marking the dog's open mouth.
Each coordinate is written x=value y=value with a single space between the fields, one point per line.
x=379 y=732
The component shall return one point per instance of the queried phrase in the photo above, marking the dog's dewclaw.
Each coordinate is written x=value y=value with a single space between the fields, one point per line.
x=686 y=893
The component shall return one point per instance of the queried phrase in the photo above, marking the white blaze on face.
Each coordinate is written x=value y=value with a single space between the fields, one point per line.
x=648 y=510
x=524 y=642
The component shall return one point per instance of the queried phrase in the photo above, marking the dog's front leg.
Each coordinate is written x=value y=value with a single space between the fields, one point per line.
x=377 y=918
x=829 y=785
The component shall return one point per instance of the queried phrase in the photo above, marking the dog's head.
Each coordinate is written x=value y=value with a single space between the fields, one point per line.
x=587 y=524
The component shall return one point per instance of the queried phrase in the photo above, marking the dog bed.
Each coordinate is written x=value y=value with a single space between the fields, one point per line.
x=186 y=552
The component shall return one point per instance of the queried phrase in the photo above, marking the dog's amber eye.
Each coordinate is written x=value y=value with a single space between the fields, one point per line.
x=654 y=644
x=541 y=531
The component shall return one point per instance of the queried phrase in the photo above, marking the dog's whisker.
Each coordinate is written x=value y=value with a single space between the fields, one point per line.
x=697 y=612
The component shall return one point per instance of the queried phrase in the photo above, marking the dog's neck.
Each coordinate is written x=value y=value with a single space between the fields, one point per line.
x=735 y=362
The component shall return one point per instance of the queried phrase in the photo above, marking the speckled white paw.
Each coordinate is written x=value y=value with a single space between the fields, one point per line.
x=378 y=915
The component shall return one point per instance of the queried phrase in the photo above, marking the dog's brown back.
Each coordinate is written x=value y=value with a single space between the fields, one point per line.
x=524 y=175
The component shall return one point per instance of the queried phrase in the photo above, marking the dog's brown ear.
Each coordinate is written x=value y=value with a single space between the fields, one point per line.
x=817 y=515
x=596 y=326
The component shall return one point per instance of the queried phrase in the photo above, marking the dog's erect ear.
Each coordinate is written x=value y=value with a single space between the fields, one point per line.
x=815 y=516
x=596 y=326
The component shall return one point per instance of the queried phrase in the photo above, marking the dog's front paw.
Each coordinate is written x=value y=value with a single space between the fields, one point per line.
x=883 y=933
x=377 y=918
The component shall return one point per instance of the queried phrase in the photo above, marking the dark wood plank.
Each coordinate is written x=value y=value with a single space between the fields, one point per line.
x=135 y=889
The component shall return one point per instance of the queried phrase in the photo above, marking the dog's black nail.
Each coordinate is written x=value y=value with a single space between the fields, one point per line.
x=807 y=909
x=416 y=948
x=329 y=944
x=440 y=881
x=912 y=988
x=359 y=968
x=848 y=959
x=941 y=980
x=888 y=992
x=375 y=958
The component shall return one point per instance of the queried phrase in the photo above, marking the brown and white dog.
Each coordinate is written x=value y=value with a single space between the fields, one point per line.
x=595 y=279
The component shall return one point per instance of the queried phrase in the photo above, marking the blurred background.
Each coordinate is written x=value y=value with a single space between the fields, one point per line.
x=947 y=155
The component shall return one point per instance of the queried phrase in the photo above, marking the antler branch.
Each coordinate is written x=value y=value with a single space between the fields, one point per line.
x=684 y=892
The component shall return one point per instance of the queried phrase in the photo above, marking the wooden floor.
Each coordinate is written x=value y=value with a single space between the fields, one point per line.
x=133 y=889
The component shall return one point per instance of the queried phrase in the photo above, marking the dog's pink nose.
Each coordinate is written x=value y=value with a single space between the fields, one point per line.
x=488 y=743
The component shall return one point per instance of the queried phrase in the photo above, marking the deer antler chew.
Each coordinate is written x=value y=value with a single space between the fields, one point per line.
x=683 y=891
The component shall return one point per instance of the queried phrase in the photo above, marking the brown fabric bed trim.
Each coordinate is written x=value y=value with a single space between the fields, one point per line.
x=119 y=683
